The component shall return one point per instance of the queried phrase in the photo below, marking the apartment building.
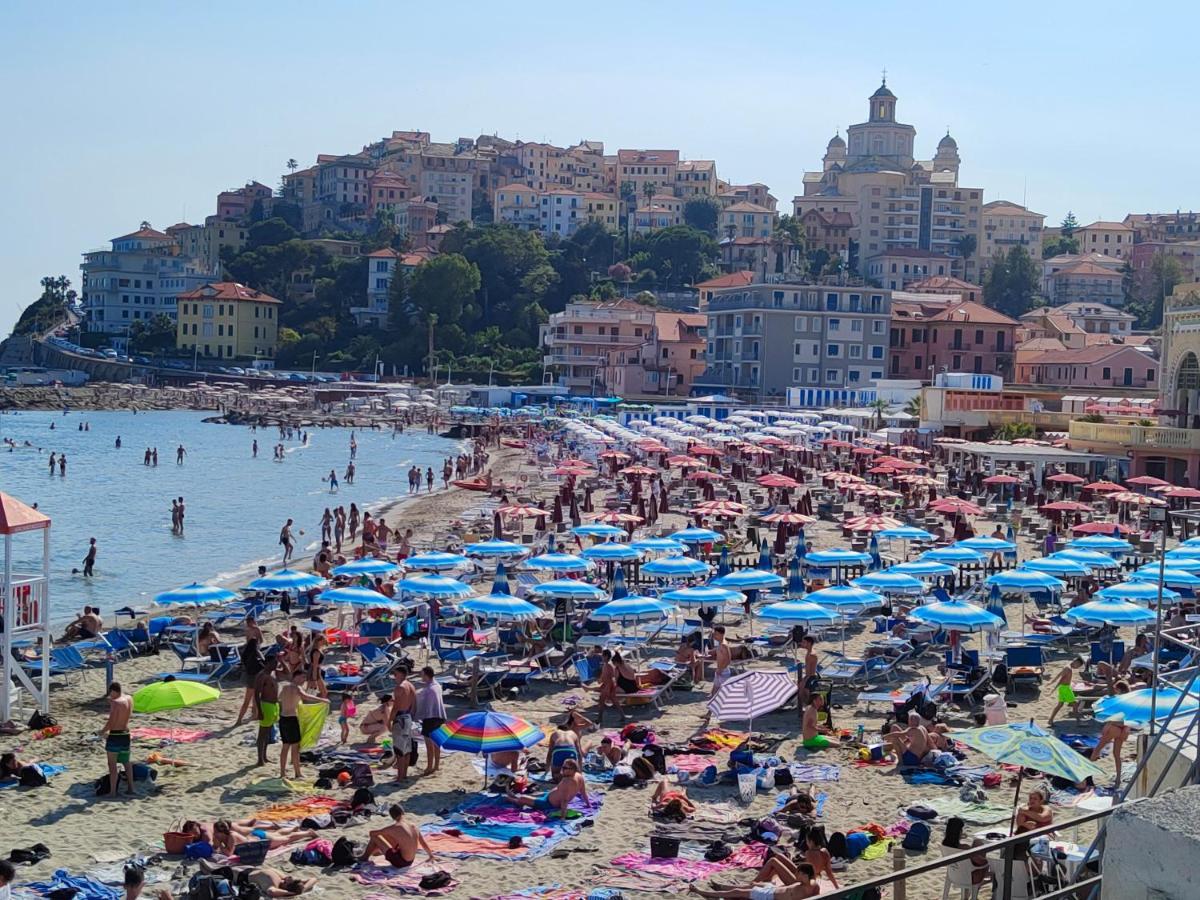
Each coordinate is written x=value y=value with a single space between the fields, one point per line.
x=1098 y=366
x=765 y=338
x=140 y=277
x=236 y=205
x=382 y=266
x=387 y=192
x=205 y=242
x=656 y=168
x=828 y=231
x=227 y=320
x=696 y=178
x=1164 y=227
x=1007 y=225
x=665 y=364
x=757 y=193
x=931 y=334
x=554 y=211
x=900 y=267
x=1106 y=238
x=748 y=220
x=949 y=286
x=579 y=340
x=1088 y=282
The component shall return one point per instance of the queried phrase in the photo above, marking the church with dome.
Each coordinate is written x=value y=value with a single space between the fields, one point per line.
x=900 y=207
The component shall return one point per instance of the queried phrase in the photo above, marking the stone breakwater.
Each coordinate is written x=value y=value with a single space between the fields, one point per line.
x=103 y=396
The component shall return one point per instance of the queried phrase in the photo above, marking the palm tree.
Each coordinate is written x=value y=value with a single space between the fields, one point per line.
x=879 y=407
x=913 y=406
x=649 y=189
x=292 y=165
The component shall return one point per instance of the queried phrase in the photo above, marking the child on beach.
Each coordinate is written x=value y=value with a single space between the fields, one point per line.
x=1066 y=694
x=348 y=711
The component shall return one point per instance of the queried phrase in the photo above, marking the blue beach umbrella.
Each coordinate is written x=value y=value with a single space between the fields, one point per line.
x=888 y=582
x=1090 y=558
x=1109 y=612
x=764 y=558
x=957 y=615
x=611 y=551
x=633 y=607
x=1171 y=576
x=598 y=529
x=795 y=584
x=434 y=561
x=704 y=595
x=1025 y=580
x=986 y=544
x=1102 y=543
x=1182 y=563
x=500 y=581
x=955 y=555
x=723 y=567
x=287 y=580
x=659 y=545
x=677 y=567
x=797 y=611
x=845 y=598
x=438 y=587
x=1182 y=552
x=495 y=548
x=696 y=536
x=559 y=562
x=749 y=580
x=922 y=568
x=355 y=596
x=995 y=604
x=195 y=593
x=1143 y=591
x=501 y=607
x=1061 y=568
x=368 y=565
x=618 y=584
x=906 y=533
x=1135 y=706
x=837 y=558
x=567 y=589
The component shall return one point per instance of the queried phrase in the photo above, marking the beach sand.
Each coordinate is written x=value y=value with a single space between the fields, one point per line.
x=84 y=831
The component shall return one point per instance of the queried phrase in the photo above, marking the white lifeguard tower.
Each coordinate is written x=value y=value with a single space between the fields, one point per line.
x=25 y=600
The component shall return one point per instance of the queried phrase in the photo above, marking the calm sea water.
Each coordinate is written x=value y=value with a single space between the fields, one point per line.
x=235 y=504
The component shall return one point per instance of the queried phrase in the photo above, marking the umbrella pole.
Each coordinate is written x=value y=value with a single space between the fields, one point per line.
x=485 y=765
x=1012 y=824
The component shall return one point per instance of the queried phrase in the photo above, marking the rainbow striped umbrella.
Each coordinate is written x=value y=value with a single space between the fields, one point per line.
x=487 y=732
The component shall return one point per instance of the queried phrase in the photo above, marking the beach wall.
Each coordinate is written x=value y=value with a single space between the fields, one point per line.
x=1152 y=848
x=1178 y=767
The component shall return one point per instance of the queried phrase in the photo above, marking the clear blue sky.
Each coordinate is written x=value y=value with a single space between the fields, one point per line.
x=119 y=112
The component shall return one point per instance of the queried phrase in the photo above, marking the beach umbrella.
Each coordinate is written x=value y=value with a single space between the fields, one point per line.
x=986 y=544
x=1090 y=558
x=611 y=551
x=439 y=587
x=955 y=555
x=659 y=545
x=957 y=615
x=355 y=596
x=906 y=533
x=495 y=548
x=161 y=696
x=1109 y=612
x=1135 y=705
x=677 y=567
x=797 y=611
x=500 y=581
x=1170 y=576
x=1190 y=564
x=775 y=480
x=837 y=558
x=704 y=596
x=522 y=511
x=888 y=582
x=748 y=695
x=697 y=536
x=1182 y=552
x=846 y=598
x=1059 y=567
x=368 y=565
x=195 y=593
x=1101 y=543
x=788 y=518
x=487 y=732
x=1029 y=747
x=1024 y=580
x=620 y=518
x=567 y=589
x=764 y=558
x=1146 y=481
x=749 y=580
x=598 y=529
x=1066 y=478
x=434 y=561
x=1103 y=487
x=632 y=607
x=1112 y=529
x=795 y=584
x=559 y=562
x=922 y=568
x=995 y=605
x=1134 y=591
x=287 y=580
x=501 y=607
x=723 y=567
x=955 y=506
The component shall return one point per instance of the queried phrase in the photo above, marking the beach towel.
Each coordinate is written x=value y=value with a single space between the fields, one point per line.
x=718 y=739
x=873 y=763
x=818 y=803
x=484 y=825
x=877 y=850
x=925 y=776
x=49 y=770
x=688 y=762
x=814 y=772
x=295 y=810
x=748 y=856
x=543 y=892
x=405 y=881
x=972 y=813
x=312 y=720
x=171 y=735
x=85 y=888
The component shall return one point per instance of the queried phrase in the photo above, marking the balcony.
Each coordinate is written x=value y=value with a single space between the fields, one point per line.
x=628 y=340
x=1086 y=435
x=571 y=359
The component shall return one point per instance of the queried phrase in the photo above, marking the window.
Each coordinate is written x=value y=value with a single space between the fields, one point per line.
x=854 y=375
x=856 y=325
x=800 y=323
x=814 y=375
x=875 y=375
x=978 y=365
x=831 y=375
x=878 y=326
x=798 y=349
x=831 y=350
x=877 y=352
x=917 y=365
x=835 y=324
x=1149 y=375
x=1107 y=373
x=831 y=302
x=856 y=351
x=978 y=335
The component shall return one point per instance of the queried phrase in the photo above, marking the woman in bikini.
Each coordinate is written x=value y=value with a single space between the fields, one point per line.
x=626 y=675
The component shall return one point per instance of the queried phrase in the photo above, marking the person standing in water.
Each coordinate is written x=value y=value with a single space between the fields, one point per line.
x=174 y=516
x=350 y=473
x=353 y=446
x=89 y=561
x=333 y=482
x=254 y=449
x=154 y=457
x=118 y=442
x=285 y=538
x=180 y=453
x=53 y=461
x=62 y=465
x=181 y=513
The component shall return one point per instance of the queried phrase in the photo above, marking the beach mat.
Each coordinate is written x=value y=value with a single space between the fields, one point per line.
x=749 y=856
x=48 y=769
x=171 y=735
x=404 y=881
x=295 y=810
x=815 y=772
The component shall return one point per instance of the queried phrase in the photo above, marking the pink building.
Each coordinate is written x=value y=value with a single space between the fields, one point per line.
x=666 y=364
x=949 y=335
x=1099 y=366
x=235 y=205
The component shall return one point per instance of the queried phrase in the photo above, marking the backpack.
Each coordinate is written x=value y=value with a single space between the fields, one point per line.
x=345 y=852
x=363 y=796
x=856 y=844
x=209 y=887
x=361 y=776
x=917 y=838
x=38 y=721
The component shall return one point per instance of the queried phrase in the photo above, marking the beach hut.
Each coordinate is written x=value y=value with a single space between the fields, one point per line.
x=26 y=609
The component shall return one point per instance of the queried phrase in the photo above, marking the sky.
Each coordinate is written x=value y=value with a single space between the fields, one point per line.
x=127 y=111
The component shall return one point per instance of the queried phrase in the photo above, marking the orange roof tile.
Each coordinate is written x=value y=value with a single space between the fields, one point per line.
x=969 y=311
x=733 y=279
x=228 y=291
x=143 y=233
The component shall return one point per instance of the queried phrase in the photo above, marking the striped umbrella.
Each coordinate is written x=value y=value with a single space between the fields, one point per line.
x=906 y=533
x=1182 y=563
x=487 y=732
x=677 y=568
x=567 y=589
x=287 y=580
x=1060 y=567
x=501 y=607
x=1171 y=576
x=355 y=596
x=1109 y=612
x=440 y=587
x=1144 y=591
x=922 y=568
x=1090 y=558
x=632 y=607
x=797 y=611
x=559 y=562
x=195 y=593
x=598 y=529
x=889 y=582
x=957 y=615
x=696 y=536
x=750 y=694
x=658 y=545
x=1102 y=542
x=496 y=548
x=368 y=565
x=749 y=580
x=435 y=561
x=837 y=557
x=1024 y=580
x=955 y=555
x=522 y=511
x=986 y=544
x=704 y=595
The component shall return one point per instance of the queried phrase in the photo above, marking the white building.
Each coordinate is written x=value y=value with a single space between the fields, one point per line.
x=382 y=266
x=1007 y=225
x=139 y=278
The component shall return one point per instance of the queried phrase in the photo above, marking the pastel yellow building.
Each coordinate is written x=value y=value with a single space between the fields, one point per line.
x=227 y=320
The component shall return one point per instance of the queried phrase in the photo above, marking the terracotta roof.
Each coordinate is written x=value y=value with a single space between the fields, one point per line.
x=1007 y=207
x=648 y=157
x=16 y=517
x=747 y=207
x=1087 y=268
x=668 y=323
x=1062 y=324
x=689 y=165
x=1095 y=309
x=385 y=253
x=1088 y=355
x=143 y=233
x=975 y=313
x=1103 y=225
x=230 y=291
x=839 y=218
x=943 y=283
x=733 y=279
x=1041 y=345
x=910 y=253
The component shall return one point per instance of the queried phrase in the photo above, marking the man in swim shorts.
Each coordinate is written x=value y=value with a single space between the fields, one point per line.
x=911 y=743
x=404 y=698
x=397 y=842
x=291 y=695
x=116 y=737
x=559 y=797
x=266 y=706
x=811 y=737
x=1066 y=693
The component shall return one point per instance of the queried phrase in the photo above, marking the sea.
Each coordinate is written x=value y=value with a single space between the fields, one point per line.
x=236 y=504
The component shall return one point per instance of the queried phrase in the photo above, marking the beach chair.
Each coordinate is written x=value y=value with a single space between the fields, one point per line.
x=653 y=695
x=843 y=670
x=64 y=662
x=587 y=668
x=210 y=676
x=899 y=695
x=372 y=654
x=129 y=641
x=475 y=683
x=969 y=678
x=1026 y=665
x=375 y=631
x=370 y=679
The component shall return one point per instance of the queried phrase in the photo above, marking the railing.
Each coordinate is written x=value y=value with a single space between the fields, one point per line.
x=1154 y=437
x=29 y=602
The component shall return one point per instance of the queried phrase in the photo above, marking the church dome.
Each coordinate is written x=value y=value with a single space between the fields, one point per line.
x=883 y=93
x=947 y=143
x=836 y=141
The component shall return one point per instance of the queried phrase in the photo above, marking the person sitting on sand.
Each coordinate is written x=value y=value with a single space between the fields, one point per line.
x=86 y=626
x=911 y=744
x=816 y=853
x=811 y=731
x=800 y=887
x=227 y=835
x=397 y=842
x=559 y=797
x=270 y=882
x=801 y=804
x=686 y=655
x=562 y=746
x=666 y=801
x=375 y=723
x=609 y=752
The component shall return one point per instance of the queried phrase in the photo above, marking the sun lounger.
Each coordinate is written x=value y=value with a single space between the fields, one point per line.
x=64 y=662
x=212 y=676
x=653 y=694
x=899 y=695
x=370 y=679
x=1026 y=665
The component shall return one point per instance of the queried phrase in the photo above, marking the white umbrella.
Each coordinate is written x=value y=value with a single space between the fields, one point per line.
x=751 y=694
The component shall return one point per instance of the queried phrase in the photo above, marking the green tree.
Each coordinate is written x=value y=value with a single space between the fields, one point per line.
x=269 y=232
x=152 y=335
x=1012 y=282
x=966 y=246
x=441 y=288
x=679 y=255
x=505 y=256
x=878 y=408
x=913 y=405
x=1069 y=225
x=1012 y=431
x=48 y=310
x=703 y=214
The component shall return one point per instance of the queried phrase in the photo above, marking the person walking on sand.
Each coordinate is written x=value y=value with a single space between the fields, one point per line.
x=180 y=453
x=327 y=525
x=1065 y=693
x=291 y=695
x=116 y=737
x=89 y=561
x=285 y=538
x=431 y=710
x=266 y=705
x=400 y=723
x=352 y=522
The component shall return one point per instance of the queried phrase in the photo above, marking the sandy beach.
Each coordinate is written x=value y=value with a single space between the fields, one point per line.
x=217 y=777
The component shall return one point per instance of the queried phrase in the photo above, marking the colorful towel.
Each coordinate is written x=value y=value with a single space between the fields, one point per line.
x=543 y=892
x=689 y=762
x=748 y=856
x=312 y=720
x=877 y=850
x=406 y=881
x=278 y=786
x=84 y=888
x=484 y=825
x=719 y=739
x=813 y=772
x=48 y=769
x=171 y=735
x=295 y=810
x=873 y=763
x=925 y=776
x=972 y=813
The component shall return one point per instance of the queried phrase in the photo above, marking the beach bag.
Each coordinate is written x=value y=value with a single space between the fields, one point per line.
x=747 y=783
x=920 y=811
x=362 y=797
x=663 y=847
x=198 y=850
x=345 y=852
x=361 y=776
x=783 y=777
x=208 y=887
x=31 y=776
x=434 y=880
x=39 y=720
x=917 y=838
x=174 y=841
x=856 y=844
x=623 y=776
x=252 y=853
x=718 y=851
